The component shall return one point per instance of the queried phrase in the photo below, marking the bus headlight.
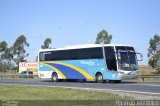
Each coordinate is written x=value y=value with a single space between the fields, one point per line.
x=120 y=75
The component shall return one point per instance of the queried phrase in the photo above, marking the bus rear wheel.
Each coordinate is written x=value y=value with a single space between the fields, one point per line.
x=99 y=78
x=54 y=77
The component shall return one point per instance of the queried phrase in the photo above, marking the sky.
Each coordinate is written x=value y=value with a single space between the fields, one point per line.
x=74 y=22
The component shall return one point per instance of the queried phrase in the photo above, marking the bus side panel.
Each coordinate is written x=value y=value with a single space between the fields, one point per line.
x=111 y=75
x=76 y=69
x=89 y=66
x=45 y=71
x=92 y=66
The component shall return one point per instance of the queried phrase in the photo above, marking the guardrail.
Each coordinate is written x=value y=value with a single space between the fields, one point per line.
x=148 y=76
x=15 y=76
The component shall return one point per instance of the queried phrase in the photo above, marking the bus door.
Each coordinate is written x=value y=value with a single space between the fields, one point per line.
x=110 y=58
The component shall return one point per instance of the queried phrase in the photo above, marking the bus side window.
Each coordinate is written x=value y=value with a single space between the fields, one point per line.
x=90 y=53
x=96 y=53
x=73 y=54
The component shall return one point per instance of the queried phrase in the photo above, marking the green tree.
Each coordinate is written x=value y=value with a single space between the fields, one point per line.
x=154 y=52
x=46 y=44
x=3 y=46
x=8 y=56
x=19 y=49
x=103 y=34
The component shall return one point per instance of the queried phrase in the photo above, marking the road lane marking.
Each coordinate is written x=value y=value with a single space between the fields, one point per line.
x=146 y=85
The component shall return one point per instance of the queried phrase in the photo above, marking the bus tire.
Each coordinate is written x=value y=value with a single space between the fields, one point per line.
x=114 y=81
x=54 y=77
x=99 y=78
x=117 y=81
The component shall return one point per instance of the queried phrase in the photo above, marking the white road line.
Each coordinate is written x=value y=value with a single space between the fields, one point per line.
x=146 y=85
x=93 y=89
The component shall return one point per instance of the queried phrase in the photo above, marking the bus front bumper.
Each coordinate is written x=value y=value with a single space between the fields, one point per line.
x=122 y=76
x=129 y=77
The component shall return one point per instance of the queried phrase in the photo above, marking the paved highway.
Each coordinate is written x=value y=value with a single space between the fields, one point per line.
x=145 y=88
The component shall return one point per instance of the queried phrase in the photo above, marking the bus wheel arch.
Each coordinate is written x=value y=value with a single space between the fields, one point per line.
x=54 y=77
x=99 y=77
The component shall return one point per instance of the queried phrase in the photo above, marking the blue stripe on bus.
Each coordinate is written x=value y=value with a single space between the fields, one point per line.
x=68 y=72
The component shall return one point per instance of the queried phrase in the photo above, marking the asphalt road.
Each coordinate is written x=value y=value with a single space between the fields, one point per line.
x=145 y=88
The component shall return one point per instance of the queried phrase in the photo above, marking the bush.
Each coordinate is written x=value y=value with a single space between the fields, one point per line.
x=3 y=67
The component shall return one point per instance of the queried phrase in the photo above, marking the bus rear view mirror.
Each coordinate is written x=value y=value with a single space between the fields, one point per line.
x=139 y=57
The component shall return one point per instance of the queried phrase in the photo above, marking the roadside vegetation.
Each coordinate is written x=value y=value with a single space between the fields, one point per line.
x=154 y=53
x=11 y=56
x=148 y=70
x=13 y=92
x=45 y=94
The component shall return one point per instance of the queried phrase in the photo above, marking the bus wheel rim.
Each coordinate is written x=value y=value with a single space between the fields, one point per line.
x=54 y=78
x=99 y=77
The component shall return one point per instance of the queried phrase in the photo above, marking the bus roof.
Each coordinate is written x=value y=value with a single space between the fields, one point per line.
x=82 y=46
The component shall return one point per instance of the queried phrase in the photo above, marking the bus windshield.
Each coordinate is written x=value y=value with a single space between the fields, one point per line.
x=126 y=58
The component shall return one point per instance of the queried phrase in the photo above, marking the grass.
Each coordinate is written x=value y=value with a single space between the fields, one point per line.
x=146 y=70
x=13 y=92
x=149 y=80
x=33 y=95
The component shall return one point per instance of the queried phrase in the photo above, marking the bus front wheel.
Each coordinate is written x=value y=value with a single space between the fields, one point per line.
x=117 y=81
x=99 y=78
x=54 y=77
